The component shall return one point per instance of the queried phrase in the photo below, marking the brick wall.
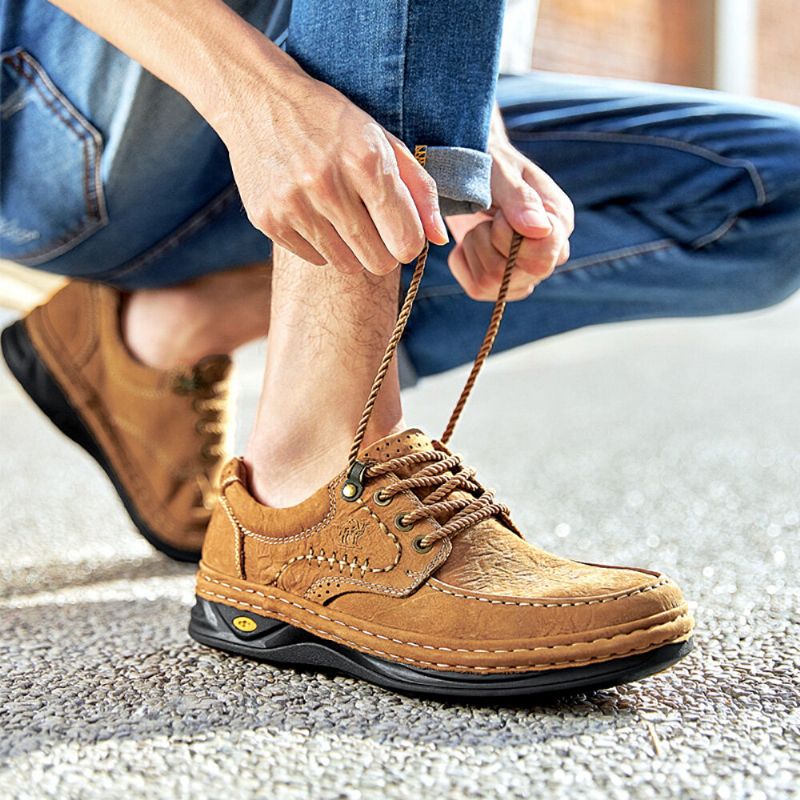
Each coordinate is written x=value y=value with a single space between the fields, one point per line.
x=669 y=41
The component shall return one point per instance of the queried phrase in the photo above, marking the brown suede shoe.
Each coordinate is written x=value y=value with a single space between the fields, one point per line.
x=404 y=571
x=159 y=435
x=419 y=581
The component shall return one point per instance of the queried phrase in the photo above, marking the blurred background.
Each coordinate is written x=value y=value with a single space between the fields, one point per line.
x=741 y=46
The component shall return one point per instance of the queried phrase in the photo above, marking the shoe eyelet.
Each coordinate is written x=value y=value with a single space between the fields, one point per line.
x=400 y=525
x=380 y=499
x=416 y=543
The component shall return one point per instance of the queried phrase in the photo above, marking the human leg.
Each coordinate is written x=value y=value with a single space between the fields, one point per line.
x=687 y=203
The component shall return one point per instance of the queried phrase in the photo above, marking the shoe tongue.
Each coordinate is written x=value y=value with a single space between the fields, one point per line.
x=398 y=444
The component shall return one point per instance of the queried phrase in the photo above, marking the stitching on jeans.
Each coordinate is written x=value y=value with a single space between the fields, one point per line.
x=66 y=113
x=184 y=231
x=438 y=587
x=659 y=141
x=614 y=255
x=481 y=651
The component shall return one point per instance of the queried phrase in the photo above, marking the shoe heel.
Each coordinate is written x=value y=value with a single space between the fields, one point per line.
x=34 y=377
x=243 y=632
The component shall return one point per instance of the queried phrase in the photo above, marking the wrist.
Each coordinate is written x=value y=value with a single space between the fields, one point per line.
x=236 y=70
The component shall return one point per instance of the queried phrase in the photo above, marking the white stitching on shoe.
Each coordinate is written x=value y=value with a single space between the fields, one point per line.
x=276 y=539
x=640 y=590
x=395 y=657
x=416 y=644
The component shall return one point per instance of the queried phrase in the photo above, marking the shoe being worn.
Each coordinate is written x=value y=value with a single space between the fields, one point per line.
x=405 y=572
x=159 y=435
x=420 y=585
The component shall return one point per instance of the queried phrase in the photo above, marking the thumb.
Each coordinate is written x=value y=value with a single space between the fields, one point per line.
x=523 y=209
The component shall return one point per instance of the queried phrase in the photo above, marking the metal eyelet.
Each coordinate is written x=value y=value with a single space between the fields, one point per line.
x=380 y=499
x=400 y=525
x=416 y=543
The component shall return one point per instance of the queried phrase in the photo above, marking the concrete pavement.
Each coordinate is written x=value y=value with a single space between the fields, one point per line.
x=671 y=444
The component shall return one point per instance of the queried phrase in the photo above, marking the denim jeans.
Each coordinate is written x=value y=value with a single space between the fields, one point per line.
x=687 y=201
x=109 y=174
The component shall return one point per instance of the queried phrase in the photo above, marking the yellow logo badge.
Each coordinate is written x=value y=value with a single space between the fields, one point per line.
x=244 y=624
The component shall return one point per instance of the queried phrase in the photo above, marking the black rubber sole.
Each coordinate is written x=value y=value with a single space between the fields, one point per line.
x=34 y=377
x=268 y=639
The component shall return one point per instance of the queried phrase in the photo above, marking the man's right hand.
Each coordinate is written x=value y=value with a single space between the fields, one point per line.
x=316 y=174
x=321 y=178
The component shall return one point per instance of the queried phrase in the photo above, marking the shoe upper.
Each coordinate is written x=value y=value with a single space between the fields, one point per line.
x=162 y=431
x=480 y=599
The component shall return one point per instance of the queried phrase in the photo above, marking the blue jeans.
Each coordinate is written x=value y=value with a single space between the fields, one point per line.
x=687 y=201
x=110 y=175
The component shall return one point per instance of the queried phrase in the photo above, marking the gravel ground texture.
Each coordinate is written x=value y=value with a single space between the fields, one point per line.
x=670 y=444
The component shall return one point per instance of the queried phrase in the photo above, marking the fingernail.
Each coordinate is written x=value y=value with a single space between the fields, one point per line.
x=534 y=218
x=441 y=230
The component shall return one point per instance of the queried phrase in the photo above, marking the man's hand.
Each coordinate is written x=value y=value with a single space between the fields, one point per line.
x=316 y=174
x=323 y=179
x=524 y=199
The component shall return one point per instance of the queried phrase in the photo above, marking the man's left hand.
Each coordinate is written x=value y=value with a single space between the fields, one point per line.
x=524 y=199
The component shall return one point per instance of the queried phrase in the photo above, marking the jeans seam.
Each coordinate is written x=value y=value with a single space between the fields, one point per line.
x=762 y=196
x=402 y=88
x=182 y=232
x=602 y=259
x=91 y=143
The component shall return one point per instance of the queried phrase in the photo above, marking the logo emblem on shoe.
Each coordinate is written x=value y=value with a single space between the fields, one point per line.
x=351 y=534
x=244 y=624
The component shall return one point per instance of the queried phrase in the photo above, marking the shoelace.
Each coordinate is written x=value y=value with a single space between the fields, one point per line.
x=443 y=473
x=210 y=404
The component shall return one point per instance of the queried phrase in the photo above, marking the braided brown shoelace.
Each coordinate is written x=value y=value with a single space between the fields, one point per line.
x=442 y=473
x=210 y=403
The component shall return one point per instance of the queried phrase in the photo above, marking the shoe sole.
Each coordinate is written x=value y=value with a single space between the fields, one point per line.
x=42 y=387
x=278 y=642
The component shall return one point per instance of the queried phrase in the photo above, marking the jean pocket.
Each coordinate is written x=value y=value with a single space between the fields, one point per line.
x=51 y=192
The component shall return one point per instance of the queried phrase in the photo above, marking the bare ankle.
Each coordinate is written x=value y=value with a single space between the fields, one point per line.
x=180 y=325
x=287 y=469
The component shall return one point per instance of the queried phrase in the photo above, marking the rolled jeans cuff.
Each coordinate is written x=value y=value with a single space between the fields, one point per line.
x=462 y=178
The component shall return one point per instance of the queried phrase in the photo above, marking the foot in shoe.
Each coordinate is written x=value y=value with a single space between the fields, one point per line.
x=160 y=435
x=403 y=570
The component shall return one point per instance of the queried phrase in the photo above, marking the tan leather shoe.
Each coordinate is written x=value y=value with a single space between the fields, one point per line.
x=416 y=583
x=404 y=571
x=159 y=435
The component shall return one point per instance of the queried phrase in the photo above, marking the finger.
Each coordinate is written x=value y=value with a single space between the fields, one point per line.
x=460 y=270
x=324 y=238
x=483 y=285
x=552 y=196
x=422 y=189
x=537 y=257
x=563 y=256
x=293 y=242
x=389 y=203
x=541 y=256
x=357 y=230
x=520 y=203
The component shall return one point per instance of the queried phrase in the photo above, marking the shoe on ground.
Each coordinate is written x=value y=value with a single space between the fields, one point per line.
x=159 y=435
x=417 y=580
